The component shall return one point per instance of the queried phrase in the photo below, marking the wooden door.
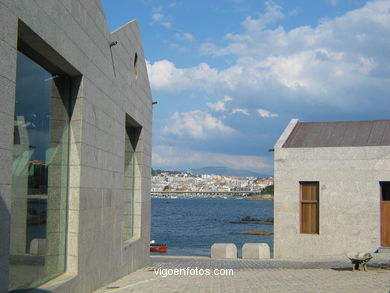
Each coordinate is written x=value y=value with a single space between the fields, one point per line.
x=385 y=214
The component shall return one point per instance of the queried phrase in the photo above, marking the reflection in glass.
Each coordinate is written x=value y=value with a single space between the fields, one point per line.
x=39 y=175
x=131 y=165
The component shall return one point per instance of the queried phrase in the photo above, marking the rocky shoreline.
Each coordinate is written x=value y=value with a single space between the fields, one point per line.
x=247 y=220
x=253 y=232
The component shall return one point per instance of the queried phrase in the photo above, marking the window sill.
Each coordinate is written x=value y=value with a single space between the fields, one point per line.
x=60 y=281
x=131 y=241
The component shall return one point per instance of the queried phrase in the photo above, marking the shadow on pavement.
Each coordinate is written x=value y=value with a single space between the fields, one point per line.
x=29 y=290
x=346 y=269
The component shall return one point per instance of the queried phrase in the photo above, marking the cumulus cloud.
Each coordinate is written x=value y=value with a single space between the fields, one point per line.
x=218 y=106
x=178 y=158
x=166 y=24
x=157 y=17
x=266 y=114
x=341 y=62
x=337 y=69
x=174 y=4
x=166 y=77
x=185 y=36
x=189 y=37
x=273 y=13
x=242 y=111
x=196 y=124
x=161 y=19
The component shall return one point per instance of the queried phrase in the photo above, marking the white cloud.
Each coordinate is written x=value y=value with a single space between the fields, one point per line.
x=165 y=76
x=342 y=62
x=242 y=111
x=177 y=158
x=333 y=2
x=294 y=12
x=185 y=37
x=173 y=5
x=189 y=37
x=166 y=24
x=338 y=69
x=196 y=124
x=273 y=13
x=178 y=47
x=266 y=114
x=218 y=106
x=158 y=17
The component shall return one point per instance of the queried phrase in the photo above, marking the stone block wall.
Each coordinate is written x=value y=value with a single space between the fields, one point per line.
x=349 y=198
x=106 y=87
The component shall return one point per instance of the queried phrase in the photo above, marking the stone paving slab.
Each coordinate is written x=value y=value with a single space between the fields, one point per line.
x=250 y=276
x=330 y=262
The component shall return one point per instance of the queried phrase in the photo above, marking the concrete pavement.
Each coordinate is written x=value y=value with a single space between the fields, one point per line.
x=331 y=274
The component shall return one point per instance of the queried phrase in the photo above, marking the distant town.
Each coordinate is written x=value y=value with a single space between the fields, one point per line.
x=168 y=183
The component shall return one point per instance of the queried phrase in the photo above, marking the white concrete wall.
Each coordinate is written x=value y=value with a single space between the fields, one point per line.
x=349 y=199
x=77 y=31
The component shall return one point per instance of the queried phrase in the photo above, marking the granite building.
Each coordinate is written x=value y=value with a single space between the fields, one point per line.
x=75 y=147
x=332 y=188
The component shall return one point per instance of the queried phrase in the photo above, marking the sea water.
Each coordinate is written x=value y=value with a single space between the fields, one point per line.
x=189 y=226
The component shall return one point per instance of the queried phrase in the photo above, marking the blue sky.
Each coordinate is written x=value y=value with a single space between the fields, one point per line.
x=229 y=75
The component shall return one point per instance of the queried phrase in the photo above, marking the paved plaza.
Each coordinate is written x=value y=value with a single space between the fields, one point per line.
x=332 y=274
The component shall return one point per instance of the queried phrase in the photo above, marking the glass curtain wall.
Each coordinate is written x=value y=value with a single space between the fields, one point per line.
x=39 y=175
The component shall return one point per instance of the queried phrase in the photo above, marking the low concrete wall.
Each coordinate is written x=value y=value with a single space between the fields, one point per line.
x=223 y=250
x=256 y=251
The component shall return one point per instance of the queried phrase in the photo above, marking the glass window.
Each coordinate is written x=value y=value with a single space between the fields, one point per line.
x=131 y=173
x=135 y=65
x=39 y=175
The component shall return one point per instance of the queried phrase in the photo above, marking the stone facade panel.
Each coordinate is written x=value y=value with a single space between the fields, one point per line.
x=77 y=31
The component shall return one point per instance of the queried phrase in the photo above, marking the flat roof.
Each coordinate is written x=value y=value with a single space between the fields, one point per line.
x=339 y=134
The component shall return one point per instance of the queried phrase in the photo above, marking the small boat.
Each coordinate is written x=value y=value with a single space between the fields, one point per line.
x=157 y=247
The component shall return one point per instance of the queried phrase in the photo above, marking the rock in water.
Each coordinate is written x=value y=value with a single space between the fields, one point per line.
x=253 y=232
x=264 y=223
x=247 y=219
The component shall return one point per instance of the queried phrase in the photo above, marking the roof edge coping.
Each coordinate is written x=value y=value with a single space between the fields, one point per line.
x=286 y=133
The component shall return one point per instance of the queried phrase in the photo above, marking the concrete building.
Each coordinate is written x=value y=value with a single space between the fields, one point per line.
x=332 y=188
x=75 y=147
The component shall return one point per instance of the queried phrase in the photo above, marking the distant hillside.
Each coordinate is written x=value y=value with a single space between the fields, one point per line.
x=159 y=171
x=225 y=171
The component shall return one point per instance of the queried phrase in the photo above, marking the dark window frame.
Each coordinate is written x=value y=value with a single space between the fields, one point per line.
x=32 y=46
x=132 y=174
x=384 y=188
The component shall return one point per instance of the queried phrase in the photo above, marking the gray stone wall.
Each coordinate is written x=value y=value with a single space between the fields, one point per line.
x=349 y=198
x=76 y=38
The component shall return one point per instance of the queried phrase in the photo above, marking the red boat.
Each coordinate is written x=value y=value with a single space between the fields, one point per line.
x=156 y=247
